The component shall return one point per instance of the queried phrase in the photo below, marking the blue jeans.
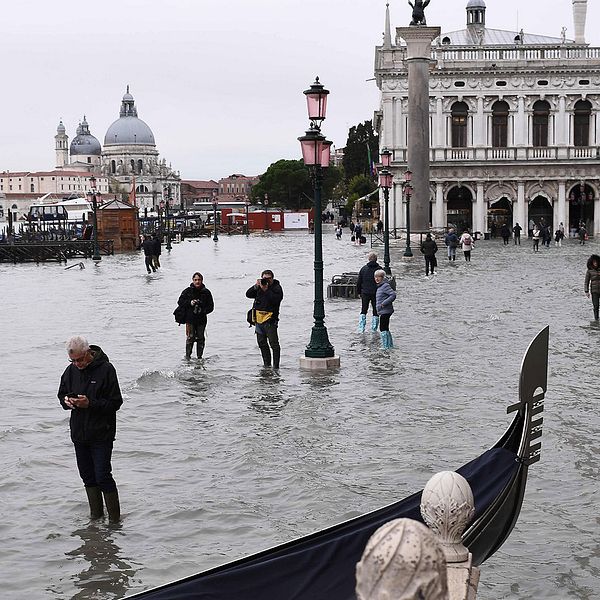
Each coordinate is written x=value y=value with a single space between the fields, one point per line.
x=93 y=462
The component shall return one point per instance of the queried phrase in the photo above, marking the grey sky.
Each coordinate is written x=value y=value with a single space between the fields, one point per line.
x=219 y=82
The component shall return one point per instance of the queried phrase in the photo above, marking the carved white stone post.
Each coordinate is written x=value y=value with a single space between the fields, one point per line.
x=402 y=561
x=448 y=508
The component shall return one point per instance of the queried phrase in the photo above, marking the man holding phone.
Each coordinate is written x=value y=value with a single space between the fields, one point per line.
x=89 y=388
x=268 y=294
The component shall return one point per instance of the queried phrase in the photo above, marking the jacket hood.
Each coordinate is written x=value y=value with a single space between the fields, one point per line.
x=373 y=264
x=591 y=259
x=99 y=356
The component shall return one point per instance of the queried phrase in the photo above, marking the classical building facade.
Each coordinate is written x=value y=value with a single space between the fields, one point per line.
x=514 y=125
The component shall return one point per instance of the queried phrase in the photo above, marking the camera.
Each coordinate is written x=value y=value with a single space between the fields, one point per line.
x=264 y=281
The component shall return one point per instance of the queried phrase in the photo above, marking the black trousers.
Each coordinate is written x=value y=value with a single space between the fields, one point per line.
x=596 y=304
x=267 y=335
x=149 y=263
x=366 y=299
x=384 y=322
x=194 y=332
x=429 y=264
x=93 y=462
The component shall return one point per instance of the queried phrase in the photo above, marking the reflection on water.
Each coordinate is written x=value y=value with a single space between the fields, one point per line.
x=106 y=574
x=219 y=458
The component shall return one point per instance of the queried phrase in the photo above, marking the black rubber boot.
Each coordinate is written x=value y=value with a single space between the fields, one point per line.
x=188 y=349
x=94 y=496
x=276 y=355
x=199 y=349
x=112 y=506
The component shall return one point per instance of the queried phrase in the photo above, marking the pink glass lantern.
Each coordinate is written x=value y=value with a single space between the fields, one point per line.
x=312 y=148
x=408 y=190
x=316 y=101
x=408 y=176
x=326 y=154
x=385 y=179
x=386 y=158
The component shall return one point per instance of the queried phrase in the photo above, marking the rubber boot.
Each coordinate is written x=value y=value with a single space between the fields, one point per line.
x=199 y=349
x=94 y=496
x=276 y=356
x=374 y=323
x=362 y=323
x=113 y=507
x=383 y=339
x=389 y=340
x=188 y=349
x=266 y=355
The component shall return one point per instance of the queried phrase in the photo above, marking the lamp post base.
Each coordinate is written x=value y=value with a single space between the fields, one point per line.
x=408 y=252
x=319 y=364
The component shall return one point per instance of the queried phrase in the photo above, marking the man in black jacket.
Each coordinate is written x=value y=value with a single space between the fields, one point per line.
x=268 y=294
x=366 y=288
x=149 y=248
x=89 y=388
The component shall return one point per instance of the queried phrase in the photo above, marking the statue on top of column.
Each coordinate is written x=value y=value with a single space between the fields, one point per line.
x=418 y=13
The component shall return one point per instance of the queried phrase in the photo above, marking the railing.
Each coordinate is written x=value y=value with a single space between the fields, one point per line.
x=52 y=251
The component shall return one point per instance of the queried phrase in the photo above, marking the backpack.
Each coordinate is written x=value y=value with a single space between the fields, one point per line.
x=179 y=314
x=466 y=241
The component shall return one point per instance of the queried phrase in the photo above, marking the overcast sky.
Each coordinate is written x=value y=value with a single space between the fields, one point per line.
x=218 y=81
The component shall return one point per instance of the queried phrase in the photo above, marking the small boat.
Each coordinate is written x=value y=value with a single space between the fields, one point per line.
x=321 y=566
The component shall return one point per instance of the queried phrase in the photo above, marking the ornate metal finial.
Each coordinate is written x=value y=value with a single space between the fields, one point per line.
x=418 y=13
x=402 y=559
x=128 y=88
x=447 y=507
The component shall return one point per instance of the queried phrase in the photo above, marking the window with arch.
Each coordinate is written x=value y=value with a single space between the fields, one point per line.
x=581 y=123
x=460 y=113
x=140 y=166
x=132 y=165
x=500 y=111
x=32 y=188
x=142 y=189
x=113 y=167
x=541 y=119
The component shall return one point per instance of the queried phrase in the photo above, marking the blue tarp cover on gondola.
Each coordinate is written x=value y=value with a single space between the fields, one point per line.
x=322 y=566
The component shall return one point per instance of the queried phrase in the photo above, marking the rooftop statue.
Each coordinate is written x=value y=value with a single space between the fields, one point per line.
x=418 y=13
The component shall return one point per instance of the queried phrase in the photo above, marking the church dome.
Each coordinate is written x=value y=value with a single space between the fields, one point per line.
x=84 y=143
x=128 y=128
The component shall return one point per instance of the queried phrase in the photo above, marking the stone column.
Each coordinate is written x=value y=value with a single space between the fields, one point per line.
x=562 y=203
x=480 y=213
x=596 y=230
x=521 y=129
x=418 y=56
x=438 y=213
x=521 y=206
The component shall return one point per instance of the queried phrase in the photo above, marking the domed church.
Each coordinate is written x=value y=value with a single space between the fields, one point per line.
x=84 y=152
x=130 y=154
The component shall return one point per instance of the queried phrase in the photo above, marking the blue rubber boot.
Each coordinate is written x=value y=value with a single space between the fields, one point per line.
x=389 y=341
x=374 y=323
x=362 y=323
x=383 y=339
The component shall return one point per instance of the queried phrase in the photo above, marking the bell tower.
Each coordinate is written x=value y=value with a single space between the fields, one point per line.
x=62 y=146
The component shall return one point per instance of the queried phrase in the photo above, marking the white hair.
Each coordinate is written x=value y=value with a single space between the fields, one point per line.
x=379 y=273
x=77 y=344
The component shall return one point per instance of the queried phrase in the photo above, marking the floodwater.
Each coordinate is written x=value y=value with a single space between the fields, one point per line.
x=219 y=459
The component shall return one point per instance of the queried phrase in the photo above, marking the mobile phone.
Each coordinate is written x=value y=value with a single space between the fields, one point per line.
x=72 y=395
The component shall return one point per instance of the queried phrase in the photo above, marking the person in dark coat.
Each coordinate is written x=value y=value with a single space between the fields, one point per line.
x=592 y=282
x=517 y=233
x=366 y=288
x=505 y=233
x=89 y=388
x=429 y=248
x=451 y=240
x=268 y=295
x=198 y=302
x=148 y=248
x=157 y=251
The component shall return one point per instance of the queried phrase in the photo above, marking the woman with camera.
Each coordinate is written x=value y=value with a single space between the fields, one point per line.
x=197 y=301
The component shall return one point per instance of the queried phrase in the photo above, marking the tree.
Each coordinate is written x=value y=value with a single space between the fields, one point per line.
x=361 y=152
x=360 y=186
x=287 y=184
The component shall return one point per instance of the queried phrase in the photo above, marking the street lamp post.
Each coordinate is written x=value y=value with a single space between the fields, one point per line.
x=247 y=224
x=167 y=217
x=408 y=193
x=215 y=204
x=266 y=205
x=316 y=153
x=94 y=193
x=385 y=182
